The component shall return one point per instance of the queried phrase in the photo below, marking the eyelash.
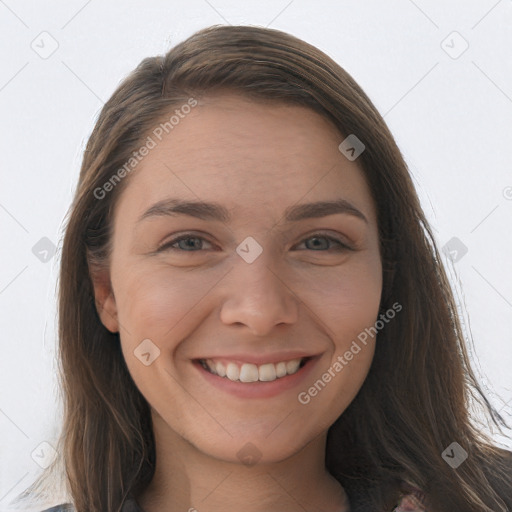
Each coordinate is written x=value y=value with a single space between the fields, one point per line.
x=167 y=246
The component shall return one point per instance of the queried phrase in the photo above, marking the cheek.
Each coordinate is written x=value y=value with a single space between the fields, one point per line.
x=155 y=306
x=161 y=307
x=347 y=304
x=345 y=299
x=158 y=302
x=163 y=304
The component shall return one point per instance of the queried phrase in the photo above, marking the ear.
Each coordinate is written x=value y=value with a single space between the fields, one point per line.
x=104 y=298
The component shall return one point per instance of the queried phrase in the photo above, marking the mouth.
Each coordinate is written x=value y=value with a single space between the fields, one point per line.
x=248 y=372
x=249 y=380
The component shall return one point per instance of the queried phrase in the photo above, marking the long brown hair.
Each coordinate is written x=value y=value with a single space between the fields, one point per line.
x=416 y=399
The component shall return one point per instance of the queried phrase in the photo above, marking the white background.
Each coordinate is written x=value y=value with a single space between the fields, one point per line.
x=451 y=115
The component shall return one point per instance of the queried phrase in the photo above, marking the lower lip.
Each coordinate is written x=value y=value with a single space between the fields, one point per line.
x=258 y=389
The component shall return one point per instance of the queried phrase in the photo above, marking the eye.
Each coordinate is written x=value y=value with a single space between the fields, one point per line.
x=195 y=243
x=190 y=247
x=319 y=246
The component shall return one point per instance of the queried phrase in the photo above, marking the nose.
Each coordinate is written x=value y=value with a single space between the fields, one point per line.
x=258 y=298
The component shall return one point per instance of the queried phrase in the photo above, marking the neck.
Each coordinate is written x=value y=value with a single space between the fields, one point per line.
x=186 y=479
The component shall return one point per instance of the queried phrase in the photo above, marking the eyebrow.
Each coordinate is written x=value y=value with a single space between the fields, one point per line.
x=215 y=211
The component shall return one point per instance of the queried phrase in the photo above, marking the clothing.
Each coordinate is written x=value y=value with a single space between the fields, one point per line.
x=412 y=502
x=129 y=505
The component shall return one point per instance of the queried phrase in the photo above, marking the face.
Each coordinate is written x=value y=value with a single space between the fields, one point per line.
x=260 y=285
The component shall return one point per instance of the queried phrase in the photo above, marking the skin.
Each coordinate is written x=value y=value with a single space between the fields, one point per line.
x=256 y=159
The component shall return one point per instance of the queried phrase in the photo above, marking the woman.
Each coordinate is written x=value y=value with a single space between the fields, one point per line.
x=258 y=367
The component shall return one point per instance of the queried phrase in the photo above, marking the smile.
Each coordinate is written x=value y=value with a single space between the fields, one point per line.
x=248 y=372
x=250 y=380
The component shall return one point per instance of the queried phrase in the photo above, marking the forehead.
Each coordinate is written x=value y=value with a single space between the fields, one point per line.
x=240 y=152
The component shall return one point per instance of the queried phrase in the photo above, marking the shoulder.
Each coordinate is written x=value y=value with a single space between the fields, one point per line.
x=130 y=505
x=504 y=490
x=414 y=500
x=64 y=507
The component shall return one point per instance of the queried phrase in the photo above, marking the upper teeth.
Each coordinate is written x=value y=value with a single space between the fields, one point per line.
x=248 y=372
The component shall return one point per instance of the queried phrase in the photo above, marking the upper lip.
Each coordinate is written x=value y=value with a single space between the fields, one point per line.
x=275 y=357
